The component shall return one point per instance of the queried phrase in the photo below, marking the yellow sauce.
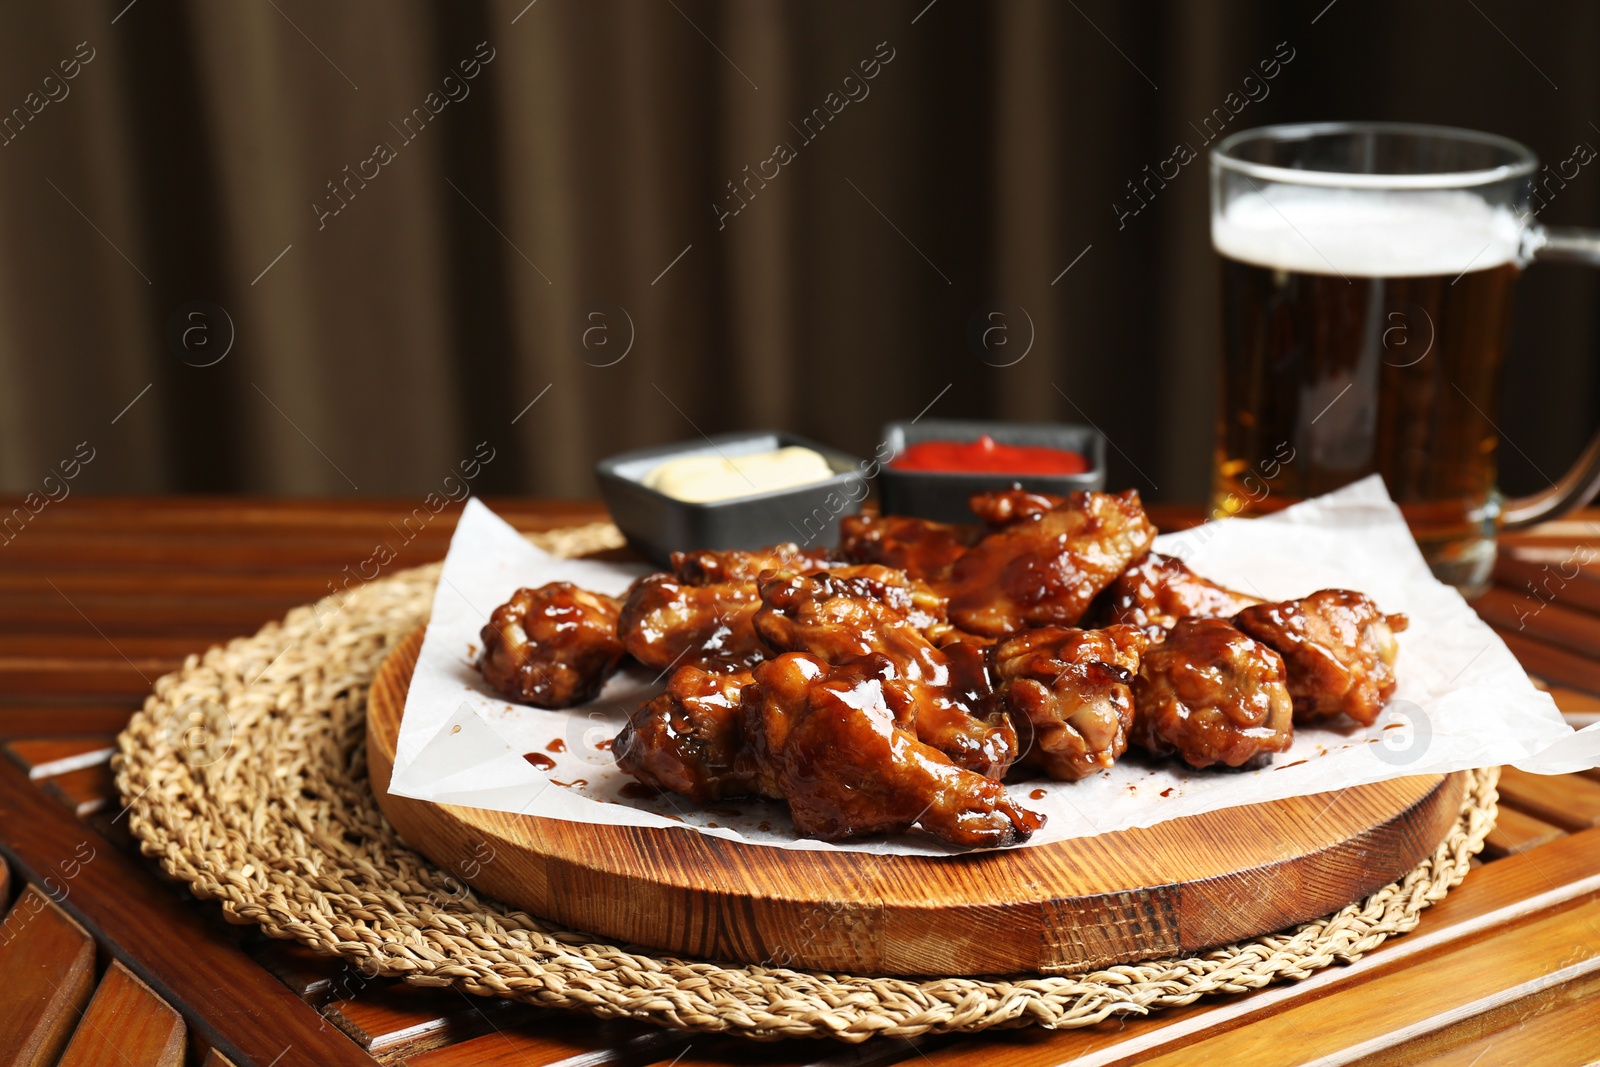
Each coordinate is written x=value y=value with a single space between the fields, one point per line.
x=701 y=479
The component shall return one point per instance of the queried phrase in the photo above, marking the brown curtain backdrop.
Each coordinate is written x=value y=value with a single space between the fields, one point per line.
x=584 y=171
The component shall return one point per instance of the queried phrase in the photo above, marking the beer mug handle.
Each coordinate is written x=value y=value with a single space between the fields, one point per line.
x=1560 y=244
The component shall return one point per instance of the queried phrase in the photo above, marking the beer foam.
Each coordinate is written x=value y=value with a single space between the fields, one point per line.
x=1367 y=234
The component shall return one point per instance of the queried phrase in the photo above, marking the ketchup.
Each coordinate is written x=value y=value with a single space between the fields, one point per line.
x=987 y=456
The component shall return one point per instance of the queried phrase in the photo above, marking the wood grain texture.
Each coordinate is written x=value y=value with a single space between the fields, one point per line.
x=85 y=790
x=1516 y=831
x=1569 y=801
x=180 y=949
x=34 y=719
x=1491 y=906
x=126 y=1023
x=1496 y=983
x=1558 y=665
x=390 y=1017
x=47 y=964
x=1560 y=1033
x=47 y=756
x=313 y=978
x=557 y=1038
x=1177 y=887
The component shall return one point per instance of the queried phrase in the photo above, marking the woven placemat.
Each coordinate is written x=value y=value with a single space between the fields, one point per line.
x=245 y=775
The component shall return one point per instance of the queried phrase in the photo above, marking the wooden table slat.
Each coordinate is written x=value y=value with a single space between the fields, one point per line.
x=1515 y=831
x=100 y=679
x=126 y=1023
x=47 y=963
x=1558 y=665
x=63 y=717
x=311 y=976
x=46 y=756
x=385 y=1015
x=556 y=1037
x=1552 y=623
x=1554 y=1032
x=1568 y=801
x=1551 y=574
x=173 y=946
x=1498 y=897
x=1569 y=700
x=85 y=790
x=1496 y=977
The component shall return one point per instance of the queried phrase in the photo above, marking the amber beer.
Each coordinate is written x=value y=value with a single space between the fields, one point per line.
x=1366 y=336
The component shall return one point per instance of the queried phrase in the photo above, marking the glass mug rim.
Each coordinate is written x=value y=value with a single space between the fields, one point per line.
x=1522 y=162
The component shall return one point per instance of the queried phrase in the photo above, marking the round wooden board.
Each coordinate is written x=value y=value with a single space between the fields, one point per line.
x=1172 y=889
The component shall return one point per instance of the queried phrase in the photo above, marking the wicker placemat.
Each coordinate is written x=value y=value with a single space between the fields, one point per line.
x=245 y=775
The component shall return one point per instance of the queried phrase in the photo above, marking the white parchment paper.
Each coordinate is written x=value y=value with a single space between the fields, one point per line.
x=1463 y=701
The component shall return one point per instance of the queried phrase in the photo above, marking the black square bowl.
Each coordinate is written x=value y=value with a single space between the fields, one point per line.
x=943 y=496
x=657 y=525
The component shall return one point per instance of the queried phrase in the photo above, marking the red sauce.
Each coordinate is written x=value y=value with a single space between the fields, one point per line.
x=1166 y=792
x=539 y=760
x=556 y=745
x=1037 y=794
x=988 y=456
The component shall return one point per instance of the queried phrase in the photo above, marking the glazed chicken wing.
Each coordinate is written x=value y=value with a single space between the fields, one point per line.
x=840 y=617
x=1158 y=590
x=1002 y=507
x=666 y=623
x=834 y=741
x=689 y=738
x=913 y=598
x=703 y=615
x=1339 y=649
x=1212 y=694
x=708 y=567
x=1045 y=569
x=1069 y=697
x=920 y=547
x=551 y=647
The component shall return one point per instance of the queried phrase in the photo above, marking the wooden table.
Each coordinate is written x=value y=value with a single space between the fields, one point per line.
x=102 y=961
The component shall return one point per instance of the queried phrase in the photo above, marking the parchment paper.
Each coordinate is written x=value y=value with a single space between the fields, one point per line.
x=1463 y=701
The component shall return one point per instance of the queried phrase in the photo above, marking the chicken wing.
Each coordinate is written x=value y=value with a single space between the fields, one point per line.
x=1157 y=591
x=689 y=738
x=551 y=647
x=1339 y=650
x=1069 y=696
x=839 y=618
x=912 y=597
x=834 y=741
x=1212 y=694
x=1046 y=568
x=1002 y=507
x=666 y=623
x=707 y=567
x=922 y=548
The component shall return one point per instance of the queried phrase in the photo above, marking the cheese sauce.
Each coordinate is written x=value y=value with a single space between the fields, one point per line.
x=703 y=479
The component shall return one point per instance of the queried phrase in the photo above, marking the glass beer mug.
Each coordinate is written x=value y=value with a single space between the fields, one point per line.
x=1367 y=271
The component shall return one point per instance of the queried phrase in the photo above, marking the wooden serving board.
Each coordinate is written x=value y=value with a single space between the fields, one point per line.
x=1175 y=888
